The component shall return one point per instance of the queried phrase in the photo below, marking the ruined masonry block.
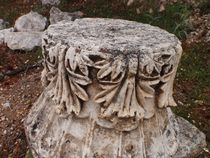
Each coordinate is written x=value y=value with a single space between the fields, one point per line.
x=108 y=91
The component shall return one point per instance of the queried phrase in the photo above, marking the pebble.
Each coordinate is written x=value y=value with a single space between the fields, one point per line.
x=199 y=102
x=5 y=132
x=180 y=103
x=3 y=118
x=7 y=104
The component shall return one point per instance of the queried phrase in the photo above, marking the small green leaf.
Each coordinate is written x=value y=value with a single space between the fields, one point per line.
x=28 y=154
x=10 y=156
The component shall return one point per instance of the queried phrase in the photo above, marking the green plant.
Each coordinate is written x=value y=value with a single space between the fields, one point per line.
x=28 y=154
x=41 y=9
x=195 y=67
x=172 y=19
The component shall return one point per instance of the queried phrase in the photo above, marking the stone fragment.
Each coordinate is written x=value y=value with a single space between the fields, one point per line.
x=130 y=2
x=162 y=8
x=31 y=22
x=7 y=104
x=192 y=140
x=50 y=2
x=4 y=33
x=5 y=132
x=57 y=15
x=108 y=91
x=23 y=40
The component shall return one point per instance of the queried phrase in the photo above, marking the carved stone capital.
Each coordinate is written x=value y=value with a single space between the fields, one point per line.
x=131 y=81
x=103 y=78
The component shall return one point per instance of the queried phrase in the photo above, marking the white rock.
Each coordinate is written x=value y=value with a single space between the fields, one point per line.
x=50 y=2
x=130 y=2
x=3 y=118
x=31 y=22
x=6 y=105
x=3 y=33
x=5 y=132
x=23 y=40
x=57 y=15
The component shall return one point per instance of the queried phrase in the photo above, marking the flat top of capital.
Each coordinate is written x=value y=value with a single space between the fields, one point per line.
x=112 y=34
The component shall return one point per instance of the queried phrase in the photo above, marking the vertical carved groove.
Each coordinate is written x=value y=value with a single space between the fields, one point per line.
x=119 y=149
x=89 y=139
x=143 y=143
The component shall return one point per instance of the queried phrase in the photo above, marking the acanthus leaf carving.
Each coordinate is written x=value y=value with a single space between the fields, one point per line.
x=65 y=85
x=165 y=65
x=117 y=78
x=131 y=83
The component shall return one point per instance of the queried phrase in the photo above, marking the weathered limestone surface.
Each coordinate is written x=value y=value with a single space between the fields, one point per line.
x=26 y=34
x=108 y=88
x=23 y=40
x=50 y=2
x=56 y=15
x=31 y=22
x=4 y=33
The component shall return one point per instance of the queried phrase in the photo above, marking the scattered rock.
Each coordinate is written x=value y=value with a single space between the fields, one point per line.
x=50 y=2
x=3 y=33
x=5 y=132
x=192 y=140
x=31 y=22
x=3 y=24
x=199 y=26
x=57 y=15
x=162 y=8
x=130 y=2
x=6 y=105
x=23 y=40
x=3 y=118
x=208 y=36
x=1 y=76
x=199 y=102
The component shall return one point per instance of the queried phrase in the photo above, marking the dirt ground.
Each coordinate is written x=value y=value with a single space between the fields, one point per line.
x=19 y=92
